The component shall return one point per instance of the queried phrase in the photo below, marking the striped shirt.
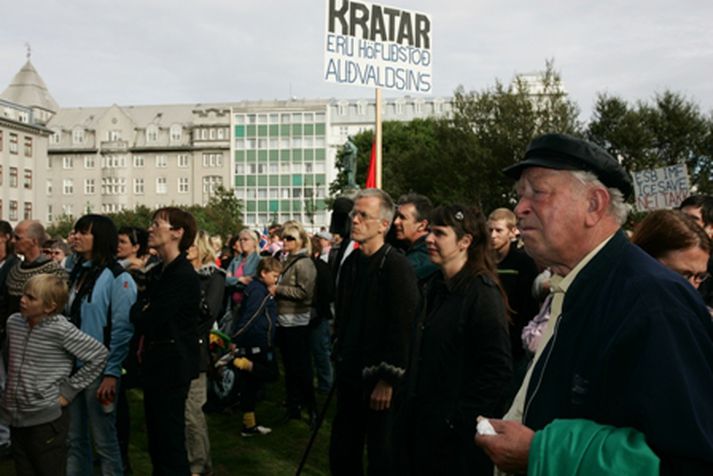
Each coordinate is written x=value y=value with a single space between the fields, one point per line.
x=40 y=362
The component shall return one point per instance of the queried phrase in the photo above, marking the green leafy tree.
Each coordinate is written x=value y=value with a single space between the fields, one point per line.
x=61 y=227
x=222 y=215
x=668 y=130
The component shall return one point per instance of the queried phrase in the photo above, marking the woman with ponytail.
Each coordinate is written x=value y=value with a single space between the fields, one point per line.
x=461 y=363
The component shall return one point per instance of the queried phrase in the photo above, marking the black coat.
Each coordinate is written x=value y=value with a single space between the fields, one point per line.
x=633 y=347
x=376 y=304
x=166 y=315
x=459 y=368
x=212 y=281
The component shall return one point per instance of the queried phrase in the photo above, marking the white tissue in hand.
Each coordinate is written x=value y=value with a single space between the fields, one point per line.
x=485 y=428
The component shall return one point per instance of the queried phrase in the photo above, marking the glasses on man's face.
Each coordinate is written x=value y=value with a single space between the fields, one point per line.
x=361 y=215
x=694 y=278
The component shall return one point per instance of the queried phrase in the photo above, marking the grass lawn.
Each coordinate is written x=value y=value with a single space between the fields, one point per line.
x=278 y=453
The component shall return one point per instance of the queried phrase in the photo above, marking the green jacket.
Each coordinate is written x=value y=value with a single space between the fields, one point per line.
x=586 y=448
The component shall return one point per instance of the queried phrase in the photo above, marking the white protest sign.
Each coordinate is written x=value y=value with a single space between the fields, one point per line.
x=377 y=46
x=666 y=187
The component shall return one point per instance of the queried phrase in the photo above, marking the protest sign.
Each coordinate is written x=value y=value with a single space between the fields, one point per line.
x=377 y=46
x=665 y=187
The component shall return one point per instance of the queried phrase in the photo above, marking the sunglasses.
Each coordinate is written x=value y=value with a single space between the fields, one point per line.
x=289 y=238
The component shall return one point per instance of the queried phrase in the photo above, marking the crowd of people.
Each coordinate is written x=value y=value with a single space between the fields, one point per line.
x=536 y=340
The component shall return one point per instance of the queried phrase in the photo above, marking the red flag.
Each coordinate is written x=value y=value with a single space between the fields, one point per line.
x=371 y=174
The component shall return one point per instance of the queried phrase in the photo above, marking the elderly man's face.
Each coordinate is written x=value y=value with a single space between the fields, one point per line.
x=551 y=214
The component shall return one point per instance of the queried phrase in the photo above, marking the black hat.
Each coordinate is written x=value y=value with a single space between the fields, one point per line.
x=564 y=152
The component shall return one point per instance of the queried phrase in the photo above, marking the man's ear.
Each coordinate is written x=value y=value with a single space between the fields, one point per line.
x=598 y=200
x=422 y=225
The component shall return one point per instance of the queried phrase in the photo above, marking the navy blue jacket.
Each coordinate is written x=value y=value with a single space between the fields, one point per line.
x=253 y=328
x=632 y=348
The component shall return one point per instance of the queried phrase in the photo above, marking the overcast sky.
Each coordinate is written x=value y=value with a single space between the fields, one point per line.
x=96 y=52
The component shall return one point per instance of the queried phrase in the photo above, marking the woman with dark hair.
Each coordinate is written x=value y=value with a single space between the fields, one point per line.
x=165 y=316
x=460 y=364
x=677 y=241
x=132 y=249
x=101 y=294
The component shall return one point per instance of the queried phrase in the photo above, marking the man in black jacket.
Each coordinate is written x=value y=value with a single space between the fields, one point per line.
x=377 y=297
x=631 y=342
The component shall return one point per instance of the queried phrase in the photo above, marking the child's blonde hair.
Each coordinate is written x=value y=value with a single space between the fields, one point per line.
x=48 y=288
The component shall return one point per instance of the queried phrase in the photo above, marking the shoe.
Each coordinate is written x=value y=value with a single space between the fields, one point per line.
x=255 y=430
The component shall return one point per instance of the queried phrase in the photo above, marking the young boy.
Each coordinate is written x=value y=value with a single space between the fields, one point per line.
x=254 y=337
x=42 y=346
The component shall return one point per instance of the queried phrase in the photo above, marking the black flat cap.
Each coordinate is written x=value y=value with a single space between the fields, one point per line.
x=564 y=152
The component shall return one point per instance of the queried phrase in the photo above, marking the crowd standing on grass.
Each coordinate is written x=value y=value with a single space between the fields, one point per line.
x=538 y=340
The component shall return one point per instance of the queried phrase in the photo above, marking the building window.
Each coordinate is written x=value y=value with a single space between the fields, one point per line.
x=161 y=186
x=67 y=210
x=138 y=161
x=28 y=179
x=88 y=161
x=27 y=213
x=212 y=160
x=239 y=169
x=28 y=146
x=183 y=185
x=176 y=133
x=361 y=108
x=211 y=134
x=161 y=161
x=152 y=133
x=139 y=186
x=418 y=107
x=56 y=136
x=114 y=135
x=113 y=186
x=50 y=217
x=342 y=108
x=399 y=107
x=68 y=186
x=13 y=177
x=78 y=136
x=221 y=133
x=13 y=143
x=48 y=187
x=89 y=188
x=13 y=209
x=114 y=161
x=211 y=182
x=183 y=160
x=67 y=162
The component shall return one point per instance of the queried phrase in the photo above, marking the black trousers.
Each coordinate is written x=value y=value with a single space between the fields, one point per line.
x=294 y=347
x=264 y=370
x=41 y=450
x=165 y=410
x=355 y=426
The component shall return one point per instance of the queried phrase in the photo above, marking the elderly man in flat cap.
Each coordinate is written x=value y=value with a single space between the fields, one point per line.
x=623 y=382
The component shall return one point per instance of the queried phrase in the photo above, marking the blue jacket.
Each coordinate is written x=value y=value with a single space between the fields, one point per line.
x=253 y=329
x=109 y=294
x=633 y=347
x=249 y=269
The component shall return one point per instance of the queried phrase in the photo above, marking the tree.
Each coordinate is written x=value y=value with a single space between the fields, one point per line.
x=669 y=130
x=222 y=215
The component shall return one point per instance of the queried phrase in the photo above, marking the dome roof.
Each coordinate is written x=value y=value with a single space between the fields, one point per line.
x=28 y=88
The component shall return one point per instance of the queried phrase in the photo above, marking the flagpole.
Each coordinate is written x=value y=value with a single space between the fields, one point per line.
x=378 y=137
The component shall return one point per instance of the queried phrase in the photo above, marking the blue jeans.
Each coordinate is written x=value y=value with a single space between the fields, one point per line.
x=321 y=348
x=87 y=415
